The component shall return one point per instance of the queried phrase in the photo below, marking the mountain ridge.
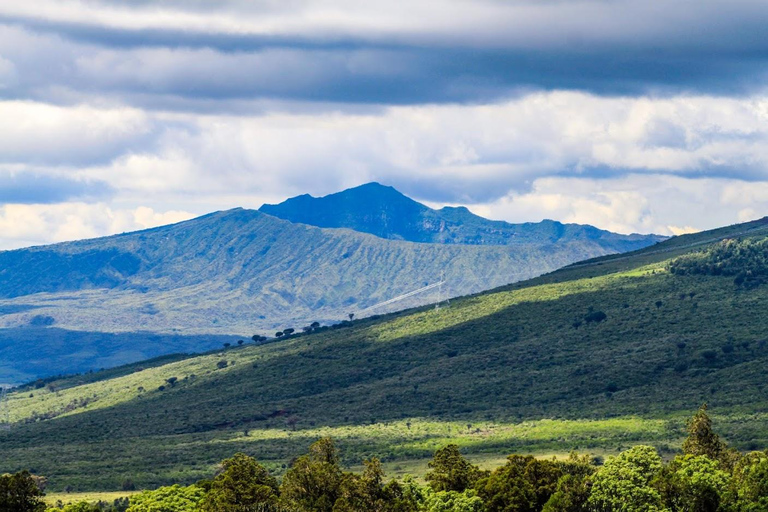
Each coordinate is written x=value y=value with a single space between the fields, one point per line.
x=385 y=212
x=237 y=272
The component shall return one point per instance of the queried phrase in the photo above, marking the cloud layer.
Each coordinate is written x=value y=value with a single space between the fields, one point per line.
x=633 y=116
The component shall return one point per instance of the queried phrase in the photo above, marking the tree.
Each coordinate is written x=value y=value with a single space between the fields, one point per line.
x=174 y=498
x=624 y=483
x=242 y=486
x=279 y=334
x=289 y=331
x=172 y=381
x=702 y=440
x=695 y=484
x=573 y=488
x=749 y=485
x=314 y=325
x=312 y=484
x=369 y=492
x=450 y=471
x=524 y=484
x=20 y=493
x=452 y=501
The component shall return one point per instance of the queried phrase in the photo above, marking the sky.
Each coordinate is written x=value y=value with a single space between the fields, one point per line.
x=118 y=115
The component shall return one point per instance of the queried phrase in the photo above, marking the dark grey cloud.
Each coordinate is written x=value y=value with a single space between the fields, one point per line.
x=607 y=48
x=35 y=188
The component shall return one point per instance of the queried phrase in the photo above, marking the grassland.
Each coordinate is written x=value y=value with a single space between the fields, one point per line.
x=524 y=368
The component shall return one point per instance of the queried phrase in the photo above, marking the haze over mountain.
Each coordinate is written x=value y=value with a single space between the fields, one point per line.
x=383 y=211
x=241 y=272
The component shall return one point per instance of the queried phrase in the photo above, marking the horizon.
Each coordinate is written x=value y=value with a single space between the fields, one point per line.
x=257 y=209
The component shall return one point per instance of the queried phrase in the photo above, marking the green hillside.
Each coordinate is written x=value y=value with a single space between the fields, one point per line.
x=595 y=357
x=238 y=272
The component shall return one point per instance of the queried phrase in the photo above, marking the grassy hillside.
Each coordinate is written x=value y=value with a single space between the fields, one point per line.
x=386 y=213
x=596 y=357
x=238 y=272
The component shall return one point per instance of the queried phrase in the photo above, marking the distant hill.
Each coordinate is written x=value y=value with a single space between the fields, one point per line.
x=607 y=353
x=383 y=211
x=238 y=272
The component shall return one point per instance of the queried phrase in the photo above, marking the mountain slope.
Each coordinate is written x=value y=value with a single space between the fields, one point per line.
x=237 y=272
x=611 y=352
x=386 y=213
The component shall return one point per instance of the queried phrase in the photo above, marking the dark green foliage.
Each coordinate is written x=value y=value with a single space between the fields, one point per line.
x=747 y=260
x=595 y=316
x=20 y=493
x=242 y=486
x=369 y=492
x=450 y=471
x=702 y=440
x=524 y=484
x=313 y=484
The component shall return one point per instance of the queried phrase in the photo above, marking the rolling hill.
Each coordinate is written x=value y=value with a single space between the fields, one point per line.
x=598 y=356
x=233 y=273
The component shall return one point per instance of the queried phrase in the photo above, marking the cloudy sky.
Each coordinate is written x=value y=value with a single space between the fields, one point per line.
x=635 y=116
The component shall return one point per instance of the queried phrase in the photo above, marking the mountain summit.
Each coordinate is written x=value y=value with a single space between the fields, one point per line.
x=383 y=211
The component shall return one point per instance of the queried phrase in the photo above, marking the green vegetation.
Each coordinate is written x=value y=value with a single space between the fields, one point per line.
x=747 y=260
x=500 y=372
x=636 y=480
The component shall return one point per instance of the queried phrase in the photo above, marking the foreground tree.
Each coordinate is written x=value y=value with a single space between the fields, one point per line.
x=370 y=493
x=749 y=485
x=244 y=485
x=174 y=498
x=524 y=484
x=624 y=483
x=694 y=483
x=702 y=440
x=20 y=493
x=450 y=471
x=313 y=482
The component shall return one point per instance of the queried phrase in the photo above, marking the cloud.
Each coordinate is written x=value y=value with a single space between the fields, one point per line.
x=390 y=53
x=662 y=204
x=24 y=225
x=35 y=133
x=35 y=188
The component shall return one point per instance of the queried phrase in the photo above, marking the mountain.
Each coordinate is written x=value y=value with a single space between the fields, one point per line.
x=383 y=211
x=233 y=273
x=607 y=353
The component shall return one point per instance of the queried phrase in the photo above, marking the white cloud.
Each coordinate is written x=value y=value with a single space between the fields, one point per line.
x=23 y=225
x=39 y=133
x=662 y=204
x=662 y=165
